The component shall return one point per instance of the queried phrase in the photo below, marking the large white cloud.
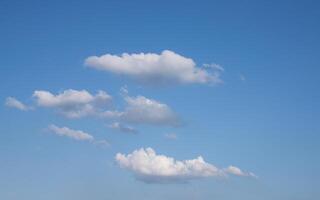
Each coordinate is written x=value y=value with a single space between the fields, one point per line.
x=73 y=103
x=153 y=168
x=141 y=110
x=156 y=69
x=14 y=103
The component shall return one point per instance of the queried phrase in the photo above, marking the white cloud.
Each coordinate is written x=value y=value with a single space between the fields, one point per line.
x=171 y=136
x=14 y=103
x=73 y=103
x=149 y=167
x=122 y=128
x=238 y=172
x=102 y=143
x=155 y=69
x=141 y=110
x=74 y=134
x=124 y=90
x=214 y=66
x=80 y=103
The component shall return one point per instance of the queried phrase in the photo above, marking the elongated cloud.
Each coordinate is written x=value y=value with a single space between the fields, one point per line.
x=155 y=69
x=76 y=135
x=238 y=172
x=141 y=110
x=150 y=167
x=80 y=103
x=73 y=103
x=71 y=133
x=14 y=103
x=122 y=128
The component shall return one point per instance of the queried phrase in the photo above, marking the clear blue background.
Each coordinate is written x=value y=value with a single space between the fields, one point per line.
x=267 y=124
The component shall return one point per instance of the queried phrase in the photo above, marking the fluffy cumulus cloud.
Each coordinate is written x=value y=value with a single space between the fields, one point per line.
x=156 y=69
x=150 y=167
x=141 y=110
x=14 y=103
x=73 y=103
x=81 y=103
x=74 y=134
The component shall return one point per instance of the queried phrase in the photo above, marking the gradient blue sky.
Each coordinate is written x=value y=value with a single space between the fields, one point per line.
x=267 y=123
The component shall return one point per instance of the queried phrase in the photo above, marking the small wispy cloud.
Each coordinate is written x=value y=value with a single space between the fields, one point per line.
x=102 y=143
x=124 y=90
x=238 y=172
x=14 y=103
x=76 y=134
x=171 y=136
x=242 y=77
x=71 y=133
x=122 y=128
x=214 y=66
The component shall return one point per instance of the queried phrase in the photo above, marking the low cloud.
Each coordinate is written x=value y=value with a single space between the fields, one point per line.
x=150 y=167
x=73 y=103
x=166 y=68
x=14 y=103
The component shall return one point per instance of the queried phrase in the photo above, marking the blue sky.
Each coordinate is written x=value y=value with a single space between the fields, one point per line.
x=261 y=118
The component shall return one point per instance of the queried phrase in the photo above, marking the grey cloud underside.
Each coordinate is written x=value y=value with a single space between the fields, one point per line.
x=141 y=110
